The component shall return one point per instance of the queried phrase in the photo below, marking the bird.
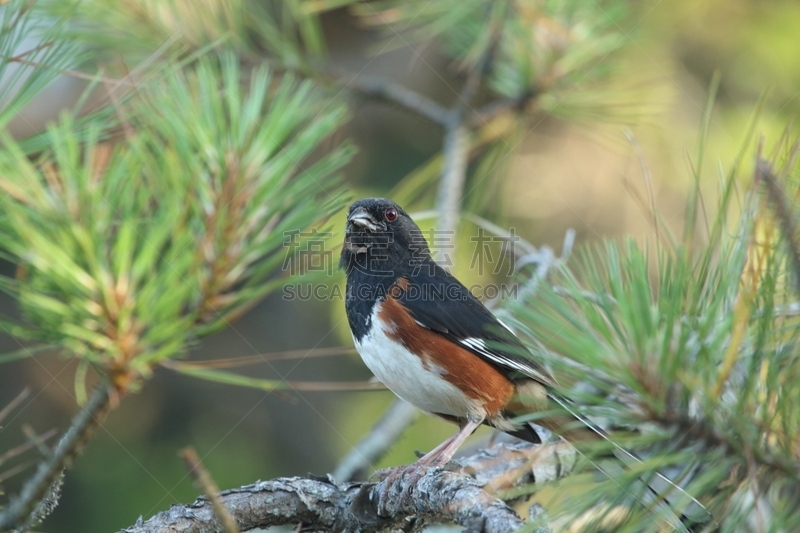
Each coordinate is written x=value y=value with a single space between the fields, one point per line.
x=429 y=340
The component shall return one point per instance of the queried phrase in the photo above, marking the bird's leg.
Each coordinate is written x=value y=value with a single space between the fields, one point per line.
x=437 y=457
x=393 y=473
x=451 y=446
x=429 y=457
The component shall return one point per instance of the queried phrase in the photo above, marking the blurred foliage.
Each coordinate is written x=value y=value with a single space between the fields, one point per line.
x=21 y=84
x=542 y=58
x=156 y=211
x=695 y=339
x=128 y=250
x=135 y=31
x=139 y=31
x=534 y=44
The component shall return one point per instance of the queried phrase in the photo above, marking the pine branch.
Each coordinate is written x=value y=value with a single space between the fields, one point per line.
x=456 y=142
x=439 y=496
x=384 y=90
x=50 y=471
x=495 y=108
x=451 y=185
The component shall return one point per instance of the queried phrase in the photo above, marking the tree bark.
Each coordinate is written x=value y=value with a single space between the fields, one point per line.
x=403 y=502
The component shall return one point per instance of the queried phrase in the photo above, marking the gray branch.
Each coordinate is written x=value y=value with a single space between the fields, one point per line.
x=454 y=171
x=39 y=493
x=384 y=90
x=405 y=503
x=501 y=106
x=372 y=447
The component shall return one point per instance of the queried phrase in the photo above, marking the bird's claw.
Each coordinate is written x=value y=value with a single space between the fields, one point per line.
x=386 y=473
x=396 y=485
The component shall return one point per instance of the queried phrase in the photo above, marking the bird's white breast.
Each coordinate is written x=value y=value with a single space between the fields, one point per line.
x=404 y=373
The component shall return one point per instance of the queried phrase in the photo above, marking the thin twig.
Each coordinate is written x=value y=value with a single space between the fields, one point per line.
x=203 y=481
x=49 y=472
x=13 y=404
x=496 y=108
x=11 y=472
x=384 y=90
x=197 y=370
x=126 y=81
x=244 y=360
x=525 y=247
x=20 y=57
x=75 y=73
x=34 y=441
x=372 y=447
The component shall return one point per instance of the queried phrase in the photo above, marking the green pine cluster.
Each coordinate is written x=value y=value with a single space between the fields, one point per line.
x=161 y=213
x=688 y=347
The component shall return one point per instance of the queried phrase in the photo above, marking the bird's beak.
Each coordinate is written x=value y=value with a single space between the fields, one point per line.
x=359 y=217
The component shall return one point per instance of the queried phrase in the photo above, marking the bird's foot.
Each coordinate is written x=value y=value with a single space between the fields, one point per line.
x=387 y=474
x=396 y=485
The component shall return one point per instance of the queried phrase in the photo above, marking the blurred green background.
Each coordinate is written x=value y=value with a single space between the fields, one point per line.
x=568 y=171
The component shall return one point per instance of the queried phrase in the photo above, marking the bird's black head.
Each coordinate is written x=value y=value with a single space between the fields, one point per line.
x=380 y=238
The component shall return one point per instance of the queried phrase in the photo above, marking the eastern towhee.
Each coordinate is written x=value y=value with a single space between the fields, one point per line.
x=431 y=342
x=427 y=338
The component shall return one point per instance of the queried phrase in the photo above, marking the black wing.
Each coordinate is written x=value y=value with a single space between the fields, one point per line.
x=439 y=302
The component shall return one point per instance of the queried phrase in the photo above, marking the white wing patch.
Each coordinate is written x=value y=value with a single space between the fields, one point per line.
x=479 y=345
x=505 y=326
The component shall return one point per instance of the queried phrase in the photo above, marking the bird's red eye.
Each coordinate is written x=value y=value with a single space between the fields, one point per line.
x=391 y=214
